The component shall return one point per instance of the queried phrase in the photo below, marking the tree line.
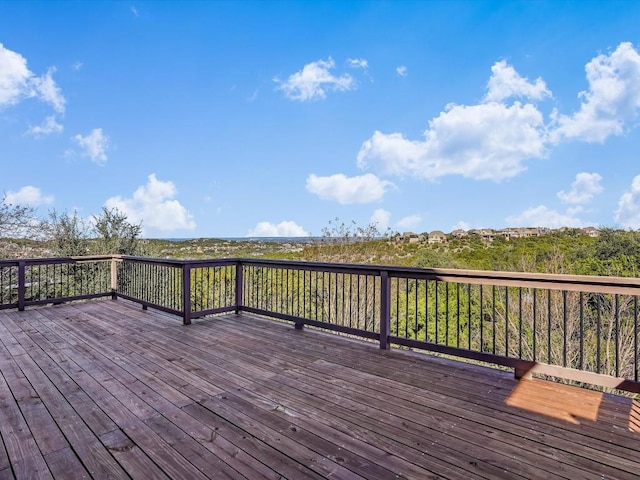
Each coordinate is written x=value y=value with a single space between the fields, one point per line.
x=67 y=234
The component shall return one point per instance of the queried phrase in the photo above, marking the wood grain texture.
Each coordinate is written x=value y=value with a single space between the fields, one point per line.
x=104 y=389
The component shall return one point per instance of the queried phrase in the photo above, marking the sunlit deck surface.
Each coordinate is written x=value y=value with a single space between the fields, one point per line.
x=104 y=389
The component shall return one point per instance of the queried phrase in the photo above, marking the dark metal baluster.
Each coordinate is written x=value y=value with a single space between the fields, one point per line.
x=329 y=299
x=315 y=290
x=350 y=300
x=598 y=334
x=297 y=281
x=581 y=331
x=397 y=307
x=520 y=321
x=366 y=303
x=406 y=307
x=344 y=305
x=458 y=326
x=256 y=282
x=564 y=328
x=617 y=336
x=436 y=310
x=446 y=313
x=376 y=310
x=549 y=327
x=469 y=315
x=358 y=310
x=481 y=319
x=426 y=310
x=339 y=315
x=493 y=318
x=289 y=302
x=323 y=296
x=564 y=323
x=415 y=332
x=535 y=325
x=274 y=289
x=635 y=338
x=506 y=321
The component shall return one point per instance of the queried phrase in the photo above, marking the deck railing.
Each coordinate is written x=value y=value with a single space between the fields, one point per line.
x=582 y=328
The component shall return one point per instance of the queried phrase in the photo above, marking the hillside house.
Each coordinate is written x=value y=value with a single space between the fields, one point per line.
x=590 y=232
x=436 y=237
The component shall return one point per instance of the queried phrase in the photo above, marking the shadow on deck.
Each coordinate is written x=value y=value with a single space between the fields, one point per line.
x=103 y=389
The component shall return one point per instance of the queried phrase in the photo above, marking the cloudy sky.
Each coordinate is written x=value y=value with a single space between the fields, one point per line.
x=228 y=119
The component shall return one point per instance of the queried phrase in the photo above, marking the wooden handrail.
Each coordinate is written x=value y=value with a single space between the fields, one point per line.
x=331 y=295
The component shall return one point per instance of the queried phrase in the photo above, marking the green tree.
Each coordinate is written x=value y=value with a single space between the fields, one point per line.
x=115 y=234
x=110 y=232
x=617 y=243
x=68 y=233
x=16 y=222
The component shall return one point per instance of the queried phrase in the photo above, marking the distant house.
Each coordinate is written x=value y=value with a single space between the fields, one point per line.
x=459 y=233
x=409 y=237
x=509 y=233
x=486 y=234
x=590 y=232
x=512 y=233
x=436 y=237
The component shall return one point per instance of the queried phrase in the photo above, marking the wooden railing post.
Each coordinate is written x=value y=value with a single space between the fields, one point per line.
x=21 y=285
x=239 y=282
x=114 y=278
x=186 y=294
x=385 y=309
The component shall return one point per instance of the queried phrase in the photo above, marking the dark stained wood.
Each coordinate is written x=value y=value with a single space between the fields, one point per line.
x=104 y=389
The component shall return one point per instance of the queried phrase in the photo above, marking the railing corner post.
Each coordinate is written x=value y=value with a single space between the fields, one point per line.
x=114 y=278
x=21 y=285
x=239 y=283
x=186 y=294
x=521 y=373
x=385 y=309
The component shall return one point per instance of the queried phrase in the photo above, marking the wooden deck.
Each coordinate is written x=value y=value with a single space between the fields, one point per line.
x=104 y=389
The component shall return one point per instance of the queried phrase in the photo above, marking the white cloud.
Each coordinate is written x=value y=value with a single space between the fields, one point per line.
x=402 y=71
x=358 y=63
x=314 y=81
x=486 y=141
x=461 y=225
x=283 y=229
x=17 y=82
x=505 y=83
x=154 y=205
x=613 y=98
x=541 y=216
x=583 y=189
x=48 y=126
x=14 y=77
x=31 y=196
x=409 y=222
x=628 y=212
x=47 y=91
x=94 y=145
x=359 y=189
x=380 y=218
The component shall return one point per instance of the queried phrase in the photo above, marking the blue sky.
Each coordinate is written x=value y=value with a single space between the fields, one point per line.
x=226 y=119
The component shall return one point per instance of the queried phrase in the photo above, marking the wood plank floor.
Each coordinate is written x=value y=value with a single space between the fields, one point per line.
x=104 y=389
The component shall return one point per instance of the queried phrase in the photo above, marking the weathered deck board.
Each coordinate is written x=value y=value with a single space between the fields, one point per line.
x=104 y=389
